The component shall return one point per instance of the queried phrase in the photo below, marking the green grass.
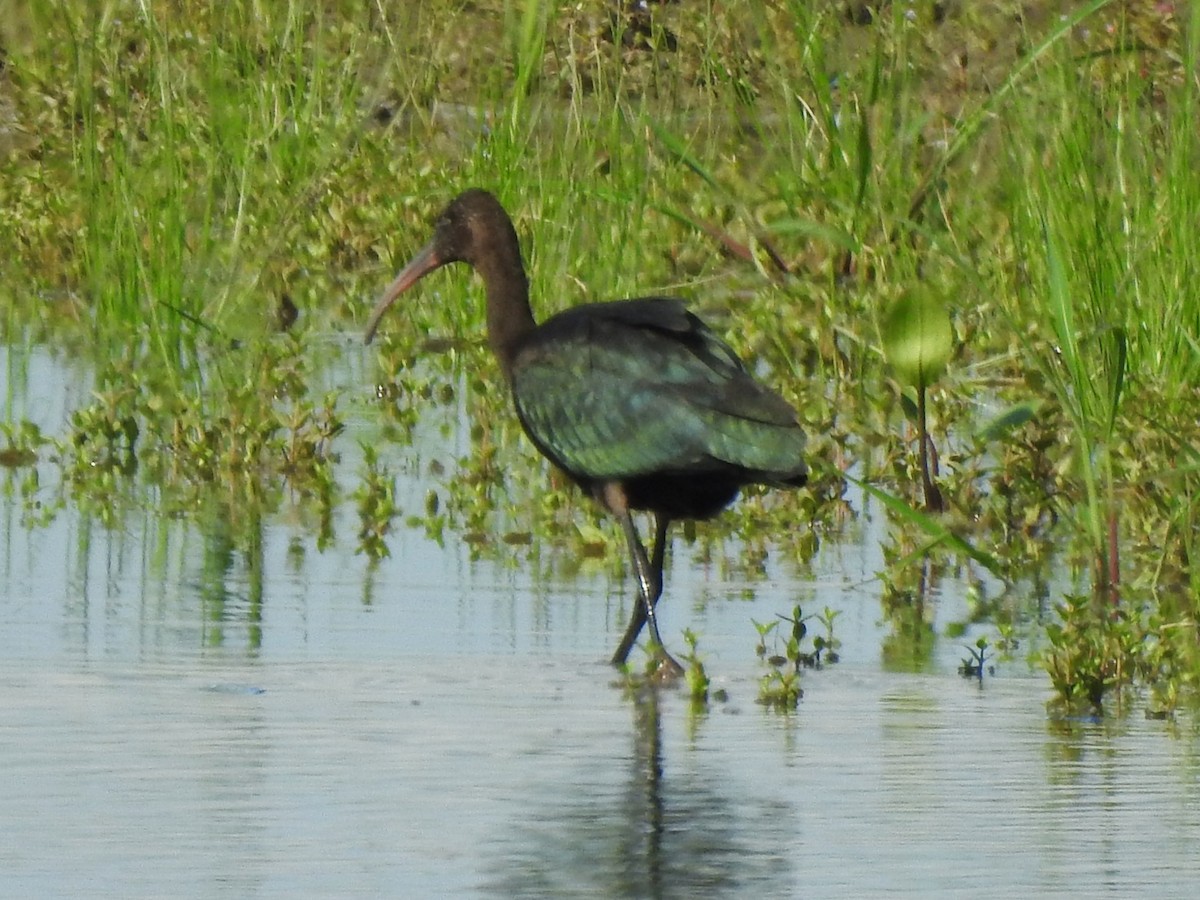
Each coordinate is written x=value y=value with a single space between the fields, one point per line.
x=175 y=174
x=1110 y=331
x=176 y=157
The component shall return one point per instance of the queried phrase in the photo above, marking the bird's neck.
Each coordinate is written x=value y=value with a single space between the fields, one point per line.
x=509 y=317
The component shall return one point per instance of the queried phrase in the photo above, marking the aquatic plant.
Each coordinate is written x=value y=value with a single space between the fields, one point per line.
x=779 y=687
x=917 y=341
x=194 y=201
x=695 y=676
x=376 y=499
x=975 y=665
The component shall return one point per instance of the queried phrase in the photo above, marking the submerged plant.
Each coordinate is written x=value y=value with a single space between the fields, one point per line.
x=23 y=440
x=1094 y=651
x=376 y=499
x=697 y=679
x=827 y=644
x=19 y=458
x=779 y=688
x=975 y=665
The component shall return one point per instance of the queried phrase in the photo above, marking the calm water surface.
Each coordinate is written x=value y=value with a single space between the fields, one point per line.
x=177 y=719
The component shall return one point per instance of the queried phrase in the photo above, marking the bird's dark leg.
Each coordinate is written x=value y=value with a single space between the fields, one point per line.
x=649 y=576
x=649 y=589
x=639 y=618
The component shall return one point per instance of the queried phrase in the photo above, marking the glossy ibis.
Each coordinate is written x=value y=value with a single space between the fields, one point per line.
x=636 y=400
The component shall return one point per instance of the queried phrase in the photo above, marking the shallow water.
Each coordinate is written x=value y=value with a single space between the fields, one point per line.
x=181 y=719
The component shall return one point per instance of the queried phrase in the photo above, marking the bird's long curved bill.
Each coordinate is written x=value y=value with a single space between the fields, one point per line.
x=420 y=266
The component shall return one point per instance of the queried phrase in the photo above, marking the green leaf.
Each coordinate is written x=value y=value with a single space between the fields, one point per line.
x=938 y=532
x=677 y=148
x=917 y=338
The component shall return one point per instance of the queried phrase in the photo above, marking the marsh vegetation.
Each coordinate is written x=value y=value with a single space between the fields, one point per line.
x=959 y=238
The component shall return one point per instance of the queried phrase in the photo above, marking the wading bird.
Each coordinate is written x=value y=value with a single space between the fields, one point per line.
x=636 y=400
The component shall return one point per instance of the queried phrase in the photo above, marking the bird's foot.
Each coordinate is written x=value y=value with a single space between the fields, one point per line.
x=662 y=667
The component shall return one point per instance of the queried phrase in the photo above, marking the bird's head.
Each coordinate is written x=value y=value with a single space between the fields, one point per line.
x=473 y=229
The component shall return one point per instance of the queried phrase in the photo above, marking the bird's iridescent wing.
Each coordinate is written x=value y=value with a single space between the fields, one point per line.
x=616 y=390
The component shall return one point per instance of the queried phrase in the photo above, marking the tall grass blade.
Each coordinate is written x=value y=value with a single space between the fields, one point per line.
x=936 y=529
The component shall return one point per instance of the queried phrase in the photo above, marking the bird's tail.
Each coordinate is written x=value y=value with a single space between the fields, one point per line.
x=796 y=479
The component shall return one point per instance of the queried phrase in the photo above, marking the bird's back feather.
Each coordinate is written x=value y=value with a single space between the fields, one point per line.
x=613 y=391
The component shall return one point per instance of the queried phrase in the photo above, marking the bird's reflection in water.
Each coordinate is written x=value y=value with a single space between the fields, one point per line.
x=662 y=833
x=646 y=795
